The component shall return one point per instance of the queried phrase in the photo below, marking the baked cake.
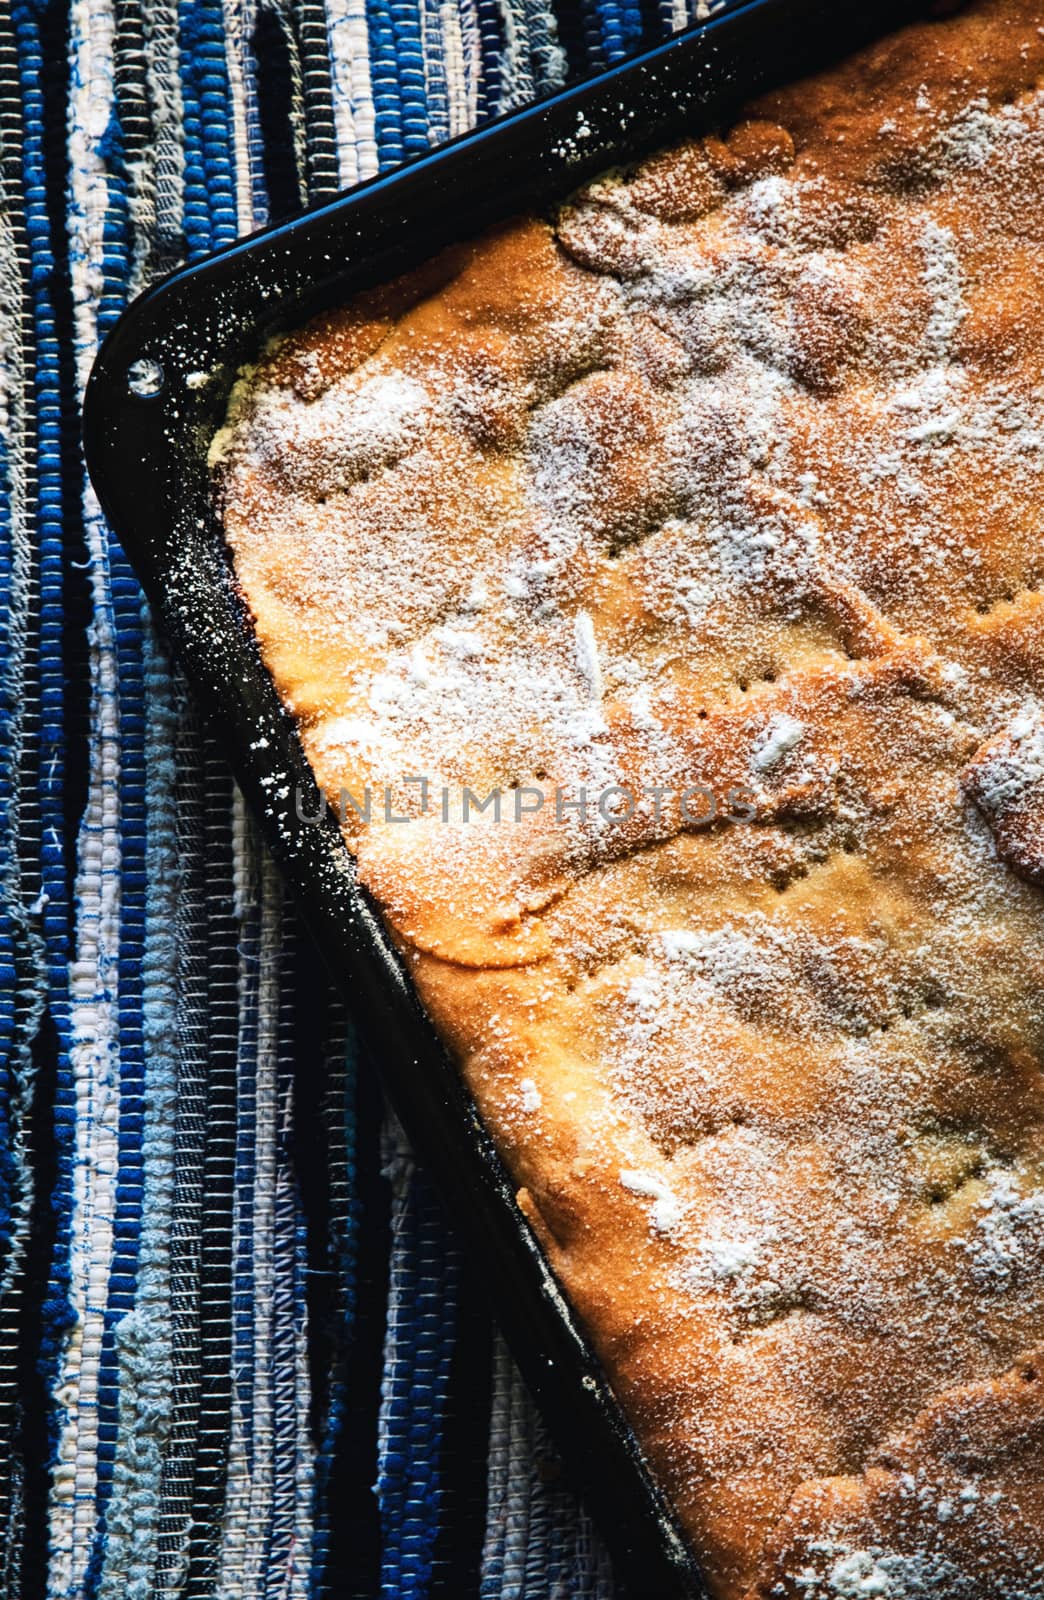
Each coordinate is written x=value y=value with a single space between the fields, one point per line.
x=717 y=495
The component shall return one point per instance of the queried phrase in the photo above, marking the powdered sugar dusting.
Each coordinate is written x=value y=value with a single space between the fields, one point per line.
x=782 y=735
x=666 y=1212
x=726 y=484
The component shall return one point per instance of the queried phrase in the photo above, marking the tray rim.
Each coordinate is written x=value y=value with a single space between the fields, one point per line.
x=275 y=278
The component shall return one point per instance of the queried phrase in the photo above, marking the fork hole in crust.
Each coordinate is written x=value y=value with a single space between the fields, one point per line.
x=760 y=674
x=1004 y=597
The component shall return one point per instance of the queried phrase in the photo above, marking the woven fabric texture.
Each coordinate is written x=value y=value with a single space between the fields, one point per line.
x=240 y=1353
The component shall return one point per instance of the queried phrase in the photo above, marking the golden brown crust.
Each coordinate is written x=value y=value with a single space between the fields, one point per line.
x=729 y=475
x=953 y=1506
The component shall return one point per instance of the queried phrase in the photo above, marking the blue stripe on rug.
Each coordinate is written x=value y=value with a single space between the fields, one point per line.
x=418 y=1344
x=37 y=409
x=384 y=75
x=210 y=195
x=405 y=17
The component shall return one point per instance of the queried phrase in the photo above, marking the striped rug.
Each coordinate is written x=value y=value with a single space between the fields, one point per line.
x=240 y=1352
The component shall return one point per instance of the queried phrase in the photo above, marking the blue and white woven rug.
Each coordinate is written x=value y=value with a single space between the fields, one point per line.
x=240 y=1354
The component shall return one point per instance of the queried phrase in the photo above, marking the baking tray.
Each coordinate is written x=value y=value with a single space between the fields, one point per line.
x=157 y=394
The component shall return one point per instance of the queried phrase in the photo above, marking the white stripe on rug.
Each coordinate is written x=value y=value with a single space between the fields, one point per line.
x=471 y=56
x=354 y=116
x=240 y=18
x=93 y=971
x=517 y=87
x=248 y=1499
x=461 y=106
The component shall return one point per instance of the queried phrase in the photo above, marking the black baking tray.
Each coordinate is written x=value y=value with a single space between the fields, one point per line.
x=146 y=444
